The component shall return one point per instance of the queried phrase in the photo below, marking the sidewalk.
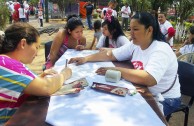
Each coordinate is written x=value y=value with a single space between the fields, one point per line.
x=36 y=65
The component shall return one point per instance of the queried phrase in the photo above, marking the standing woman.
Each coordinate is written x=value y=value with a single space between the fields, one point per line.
x=70 y=37
x=18 y=47
x=155 y=64
x=111 y=6
x=113 y=36
x=166 y=28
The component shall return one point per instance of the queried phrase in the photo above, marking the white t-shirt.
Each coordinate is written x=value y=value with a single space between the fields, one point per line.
x=121 y=40
x=158 y=60
x=114 y=13
x=187 y=49
x=126 y=10
x=22 y=13
x=164 y=29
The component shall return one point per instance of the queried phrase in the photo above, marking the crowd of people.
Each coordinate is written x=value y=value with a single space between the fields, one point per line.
x=149 y=49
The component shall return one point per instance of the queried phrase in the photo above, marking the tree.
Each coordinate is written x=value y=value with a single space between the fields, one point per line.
x=4 y=14
x=62 y=4
x=185 y=8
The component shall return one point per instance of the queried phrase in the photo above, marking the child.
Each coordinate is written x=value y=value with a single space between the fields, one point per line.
x=40 y=16
x=188 y=48
x=113 y=36
x=98 y=32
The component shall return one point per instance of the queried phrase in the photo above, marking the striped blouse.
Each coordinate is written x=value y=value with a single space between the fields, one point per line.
x=14 y=78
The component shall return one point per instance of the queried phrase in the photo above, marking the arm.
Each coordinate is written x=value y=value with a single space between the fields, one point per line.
x=100 y=56
x=93 y=41
x=133 y=75
x=84 y=6
x=171 y=33
x=82 y=44
x=45 y=86
x=57 y=42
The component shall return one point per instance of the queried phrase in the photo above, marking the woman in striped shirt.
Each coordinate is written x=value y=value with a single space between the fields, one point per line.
x=19 y=46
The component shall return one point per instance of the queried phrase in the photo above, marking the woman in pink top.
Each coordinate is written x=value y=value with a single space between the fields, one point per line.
x=70 y=37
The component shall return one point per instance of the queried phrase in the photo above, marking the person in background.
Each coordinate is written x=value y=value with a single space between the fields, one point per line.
x=40 y=16
x=97 y=32
x=113 y=36
x=155 y=63
x=26 y=7
x=22 y=13
x=126 y=12
x=89 y=11
x=16 y=12
x=111 y=6
x=11 y=11
x=70 y=37
x=188 y=46
x=166 y=28
x=18 y=47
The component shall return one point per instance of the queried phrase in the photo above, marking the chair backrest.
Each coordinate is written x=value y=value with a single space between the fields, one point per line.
x=186 y=77
x=47 y=47
x=188 y=57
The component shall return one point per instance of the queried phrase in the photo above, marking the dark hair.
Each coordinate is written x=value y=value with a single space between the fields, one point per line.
x=73 y=21
x=114 y=28
x=192 y=32
x=191 y=29
x=97 y=25
x=15 y=33
x=147 y=20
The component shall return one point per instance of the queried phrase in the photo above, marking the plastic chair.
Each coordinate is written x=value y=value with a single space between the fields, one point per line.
x=186 y=79
x=188 y=57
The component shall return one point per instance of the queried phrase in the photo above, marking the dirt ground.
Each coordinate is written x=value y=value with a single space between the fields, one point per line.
x=36 y=65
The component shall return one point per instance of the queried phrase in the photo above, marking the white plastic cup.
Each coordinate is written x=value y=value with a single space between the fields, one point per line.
x=112 y=76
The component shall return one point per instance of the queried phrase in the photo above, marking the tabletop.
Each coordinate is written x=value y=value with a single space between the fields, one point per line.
x=34 y=110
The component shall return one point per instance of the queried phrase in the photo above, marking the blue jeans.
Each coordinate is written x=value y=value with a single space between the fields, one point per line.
x=170 y=105
x=89 y=20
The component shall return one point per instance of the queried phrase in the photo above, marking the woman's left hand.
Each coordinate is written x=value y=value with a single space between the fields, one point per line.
x=102 y=70
x=48 y=72
x=80 y=47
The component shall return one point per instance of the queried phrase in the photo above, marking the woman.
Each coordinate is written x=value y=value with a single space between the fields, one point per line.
x=154 y=61
x=166 y=28
x=113 y=36
x=70 y=37
x=188 y=46
x=111 y=6
x=19 y=46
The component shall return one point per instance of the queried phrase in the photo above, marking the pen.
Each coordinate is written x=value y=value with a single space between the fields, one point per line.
x=66 y=62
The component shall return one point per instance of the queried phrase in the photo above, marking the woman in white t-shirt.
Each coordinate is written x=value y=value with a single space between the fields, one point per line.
x=189 y=46
x=111 y=6
x=155 y=64
x=113 y=36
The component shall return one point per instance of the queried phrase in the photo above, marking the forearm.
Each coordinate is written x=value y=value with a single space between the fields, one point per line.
x=137 y=76
x=45 y=86
x=101 y=56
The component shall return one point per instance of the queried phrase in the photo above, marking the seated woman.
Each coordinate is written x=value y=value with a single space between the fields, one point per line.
x=155 y=64
x=113 y=36
x=188 y=47
x=18 y=47
x=70 y=37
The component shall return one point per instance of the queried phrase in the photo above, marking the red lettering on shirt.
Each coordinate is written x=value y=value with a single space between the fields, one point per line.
x=138 y=65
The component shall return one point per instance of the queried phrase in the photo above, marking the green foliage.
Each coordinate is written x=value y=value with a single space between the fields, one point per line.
x=34 y=2
x=187 y=25
x=4 y=14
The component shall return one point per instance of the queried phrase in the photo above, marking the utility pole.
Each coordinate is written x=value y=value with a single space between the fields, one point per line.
x=46 y=11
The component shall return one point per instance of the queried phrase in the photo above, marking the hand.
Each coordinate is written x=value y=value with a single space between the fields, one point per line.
x=48 y=72
x=78 y=60
x=67 y=72
x=79 y=47
x=102 y=70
